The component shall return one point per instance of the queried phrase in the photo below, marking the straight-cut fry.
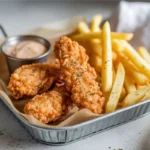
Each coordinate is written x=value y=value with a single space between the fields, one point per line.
x=96 y=21
x=122 y=36
x=107 y=73
x=96 y=62
x=144 y=54
x=97 y=35
x=123 y=94
x=147 y=95
x=96 y=47
x=136 y=59
x=129 y=85
x=114 y=73
x=116 y=89
x=135 y=97
x=83 y=27
x=131 y=70
x=117 y=46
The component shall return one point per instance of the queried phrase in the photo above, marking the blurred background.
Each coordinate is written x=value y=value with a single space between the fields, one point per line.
x=18 y=16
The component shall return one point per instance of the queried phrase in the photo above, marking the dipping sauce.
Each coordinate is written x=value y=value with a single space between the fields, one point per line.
x=26 y=49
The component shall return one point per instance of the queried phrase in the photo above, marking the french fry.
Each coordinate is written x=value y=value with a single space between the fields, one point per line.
x=135 y=97
x=122 y=36
x=131 y=70
x=83 y=27
x=126 y=62
x=114 y=55
x=87 y=36
x=123 y=94
x=140 y=78
x=96 y=62
x=117 y=46
x=140 y=86
x=95 y=25
x=96 y=47
x=116 y=89
x=97 y=35
x=136 y=59
x=94 y=44
x=114 y=73
x=129 y=85
x=106 y=59
x=144 y=54
x=147 y=95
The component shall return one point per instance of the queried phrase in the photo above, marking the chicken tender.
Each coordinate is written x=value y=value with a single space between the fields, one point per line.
x=46 y=107
x=29 y=80
x=79 y=76
x=67 y=104
x=49 y=106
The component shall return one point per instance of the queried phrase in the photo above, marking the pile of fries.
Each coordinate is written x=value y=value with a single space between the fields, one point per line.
x=123 y=72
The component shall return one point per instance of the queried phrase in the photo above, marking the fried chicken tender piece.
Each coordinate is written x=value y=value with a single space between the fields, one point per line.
x=79 y=76
x=67 y=104
x=46 y=107
x=49 y=106
x=29 y=80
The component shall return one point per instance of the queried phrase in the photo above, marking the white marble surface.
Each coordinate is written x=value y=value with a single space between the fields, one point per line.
x=21 y=16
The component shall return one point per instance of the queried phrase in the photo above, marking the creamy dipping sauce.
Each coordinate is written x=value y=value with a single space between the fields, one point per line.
x=26 y=49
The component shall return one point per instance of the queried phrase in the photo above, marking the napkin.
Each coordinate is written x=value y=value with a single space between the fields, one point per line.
x=133 y=17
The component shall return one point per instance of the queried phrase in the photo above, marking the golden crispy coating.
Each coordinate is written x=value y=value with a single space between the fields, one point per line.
x=67 y=104
x=33 y=79
x=49 y=106
x=46 y=107
x=78 y=75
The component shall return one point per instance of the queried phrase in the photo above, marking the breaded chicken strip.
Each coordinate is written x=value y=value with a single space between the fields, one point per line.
x=78 y=75
x=46 y=107
x=67 y=104
x=29 y=80
x=49 y=106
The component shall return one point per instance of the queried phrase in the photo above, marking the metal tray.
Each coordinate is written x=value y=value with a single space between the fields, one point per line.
x=66 y=135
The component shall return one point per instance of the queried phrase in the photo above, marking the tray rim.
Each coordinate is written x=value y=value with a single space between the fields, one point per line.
x=22 y=119
x=89 y=135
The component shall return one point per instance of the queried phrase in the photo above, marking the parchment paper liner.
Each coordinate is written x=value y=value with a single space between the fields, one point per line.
x=52 y=32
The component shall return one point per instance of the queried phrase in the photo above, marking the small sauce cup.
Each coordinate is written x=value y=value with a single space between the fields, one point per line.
x=13 y=62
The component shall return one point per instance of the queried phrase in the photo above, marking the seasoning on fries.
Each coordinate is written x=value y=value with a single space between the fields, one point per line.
x=135 y=96
x=116 y=89
x=106 y=59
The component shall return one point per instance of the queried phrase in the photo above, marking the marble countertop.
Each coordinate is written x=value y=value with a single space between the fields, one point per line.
x=19 y=17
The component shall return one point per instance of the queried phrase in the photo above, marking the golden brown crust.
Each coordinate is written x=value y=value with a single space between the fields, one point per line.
x=49 y=106
x=33 y=79
x=46 y=107
x=67 y=103
x=78 y=75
